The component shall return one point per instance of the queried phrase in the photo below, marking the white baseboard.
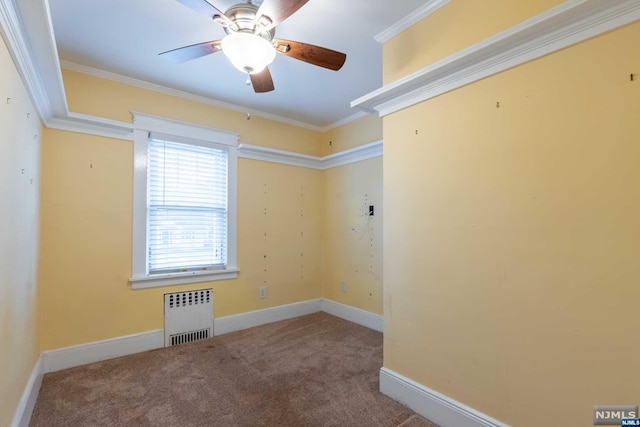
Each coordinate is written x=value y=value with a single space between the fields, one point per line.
x=426 y=402
x=77 y=355
x=29 y=397
x=435 y=406
x=237 y=322
x=355 y=315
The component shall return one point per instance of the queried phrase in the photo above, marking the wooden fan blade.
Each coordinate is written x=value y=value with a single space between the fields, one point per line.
x=316 y=55
x=262 y=81
x=201 y=6
x=278 y=10
x=187 y=53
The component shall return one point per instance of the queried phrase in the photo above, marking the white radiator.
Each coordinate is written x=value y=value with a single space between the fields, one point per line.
x=188 y=316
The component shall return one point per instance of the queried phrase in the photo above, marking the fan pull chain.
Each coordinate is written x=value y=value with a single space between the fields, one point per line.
x=248 y=83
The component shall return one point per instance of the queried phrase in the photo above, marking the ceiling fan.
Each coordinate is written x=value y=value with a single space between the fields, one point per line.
x=250 y=43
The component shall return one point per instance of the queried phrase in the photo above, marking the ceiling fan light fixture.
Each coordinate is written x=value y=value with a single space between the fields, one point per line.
x=248 y=52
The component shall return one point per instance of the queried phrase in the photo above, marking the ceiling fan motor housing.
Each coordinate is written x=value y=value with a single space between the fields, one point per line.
x=244 y=16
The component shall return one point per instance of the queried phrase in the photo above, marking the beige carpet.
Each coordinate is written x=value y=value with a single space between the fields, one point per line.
x=315 y=370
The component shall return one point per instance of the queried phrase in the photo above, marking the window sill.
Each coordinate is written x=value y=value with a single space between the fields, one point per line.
x=158 y=280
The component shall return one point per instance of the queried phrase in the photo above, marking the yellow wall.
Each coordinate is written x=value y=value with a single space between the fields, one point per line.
x=279 y=233
x=112 y=100
x=359 y=132
x=352 y=240
x=451 y=28
x=86 y=220
x=19 y=162
x=512 y=235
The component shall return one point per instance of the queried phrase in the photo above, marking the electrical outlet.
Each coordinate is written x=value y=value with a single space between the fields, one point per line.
x=262 y=292
x=343 y=286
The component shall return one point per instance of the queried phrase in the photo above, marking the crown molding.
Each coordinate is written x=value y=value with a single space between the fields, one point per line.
x=567 y=24
x=425 y=10
x=47 y=100
x=352 y=155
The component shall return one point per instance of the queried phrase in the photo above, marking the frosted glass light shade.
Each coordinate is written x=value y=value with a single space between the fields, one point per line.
x=248 y=52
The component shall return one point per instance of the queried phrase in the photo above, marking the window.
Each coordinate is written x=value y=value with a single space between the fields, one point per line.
x=184 y=203
x=187 y=207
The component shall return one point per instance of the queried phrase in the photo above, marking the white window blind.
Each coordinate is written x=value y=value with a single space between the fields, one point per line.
x=186 y=207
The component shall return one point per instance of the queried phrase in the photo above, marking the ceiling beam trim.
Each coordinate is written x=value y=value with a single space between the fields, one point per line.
x=13 y=32
x=352 y=155
x=91 y=125
x=567 y=24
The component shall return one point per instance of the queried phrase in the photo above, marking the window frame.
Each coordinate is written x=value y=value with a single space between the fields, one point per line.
x=146 y=126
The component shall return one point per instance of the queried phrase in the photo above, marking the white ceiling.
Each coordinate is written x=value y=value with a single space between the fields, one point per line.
x=124 y=37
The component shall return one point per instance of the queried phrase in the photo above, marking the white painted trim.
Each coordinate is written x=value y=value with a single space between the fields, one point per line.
x=353 y=314
x=139 y=202
x=237 y=322
x=266 y=154
x=352 y=155
x=425 y=10
x=158 y=280
x=180 y=129
x=569 y=23
x=96 y=351
x=42 y=80
x=82 y=123
x=29 y=396
x=431 y=404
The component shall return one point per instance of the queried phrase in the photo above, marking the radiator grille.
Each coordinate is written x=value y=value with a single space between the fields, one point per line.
x=188 y=316
x=183 y=299
x=189 y=336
